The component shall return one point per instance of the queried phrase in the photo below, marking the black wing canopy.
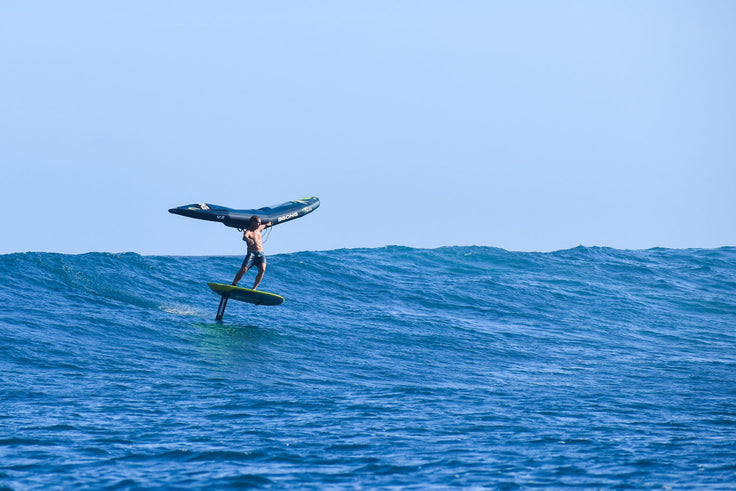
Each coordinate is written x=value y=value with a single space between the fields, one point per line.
x=240 y=218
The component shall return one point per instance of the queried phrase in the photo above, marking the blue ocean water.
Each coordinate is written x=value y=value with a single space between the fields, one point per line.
x=458 y=367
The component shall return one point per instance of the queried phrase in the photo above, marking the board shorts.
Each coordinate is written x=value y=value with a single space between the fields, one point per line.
x=253 y=258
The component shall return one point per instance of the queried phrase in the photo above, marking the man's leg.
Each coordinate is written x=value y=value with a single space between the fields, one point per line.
x=239 y=275
x=259 y=276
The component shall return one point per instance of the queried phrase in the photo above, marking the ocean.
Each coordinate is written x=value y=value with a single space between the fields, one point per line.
x=387 y=368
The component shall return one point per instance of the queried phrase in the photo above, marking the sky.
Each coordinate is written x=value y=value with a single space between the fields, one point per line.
x=529 y=126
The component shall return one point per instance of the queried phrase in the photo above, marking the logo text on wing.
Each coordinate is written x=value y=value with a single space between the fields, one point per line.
x=287 y=217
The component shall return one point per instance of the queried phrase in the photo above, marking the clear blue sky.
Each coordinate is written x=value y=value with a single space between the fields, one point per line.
x=528 y=125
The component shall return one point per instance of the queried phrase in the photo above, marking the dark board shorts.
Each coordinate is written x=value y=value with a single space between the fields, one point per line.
x=253 y=259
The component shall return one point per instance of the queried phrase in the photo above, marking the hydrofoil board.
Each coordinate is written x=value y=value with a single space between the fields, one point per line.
x=255 y=297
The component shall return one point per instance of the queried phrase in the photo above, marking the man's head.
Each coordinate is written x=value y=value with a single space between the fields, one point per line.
x=255 y=222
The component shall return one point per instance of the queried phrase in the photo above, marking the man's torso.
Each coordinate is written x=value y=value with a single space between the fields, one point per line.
x=254 y=240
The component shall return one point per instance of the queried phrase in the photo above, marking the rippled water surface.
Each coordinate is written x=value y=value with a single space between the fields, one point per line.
x=393 y=367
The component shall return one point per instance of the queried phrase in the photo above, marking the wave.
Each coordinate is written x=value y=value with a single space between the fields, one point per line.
x=386 y=367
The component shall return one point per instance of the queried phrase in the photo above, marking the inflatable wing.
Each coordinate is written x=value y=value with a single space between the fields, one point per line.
x=240 y=218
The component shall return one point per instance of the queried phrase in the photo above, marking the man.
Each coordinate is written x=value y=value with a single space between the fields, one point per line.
x=252 y=237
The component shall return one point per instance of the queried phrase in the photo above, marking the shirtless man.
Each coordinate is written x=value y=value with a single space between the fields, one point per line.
x=252 y=237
